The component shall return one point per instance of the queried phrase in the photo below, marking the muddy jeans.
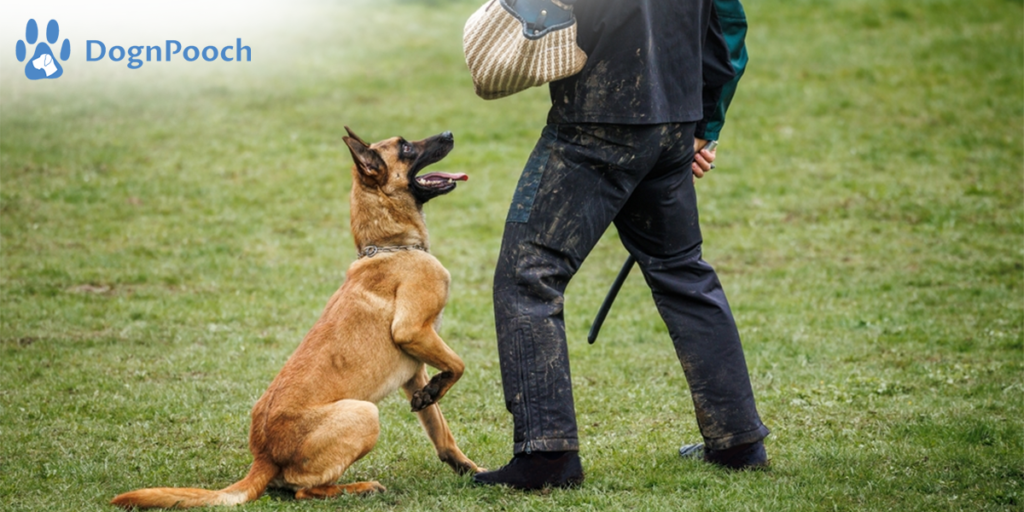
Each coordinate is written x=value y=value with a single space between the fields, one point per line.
x=578 y=180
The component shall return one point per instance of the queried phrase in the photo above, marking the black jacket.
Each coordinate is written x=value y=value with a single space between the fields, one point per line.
x=648 y=62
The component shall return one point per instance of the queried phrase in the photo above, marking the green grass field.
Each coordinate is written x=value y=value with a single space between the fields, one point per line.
x=169 y=234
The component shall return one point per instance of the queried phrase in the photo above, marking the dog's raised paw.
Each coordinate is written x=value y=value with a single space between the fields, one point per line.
x=421 y=400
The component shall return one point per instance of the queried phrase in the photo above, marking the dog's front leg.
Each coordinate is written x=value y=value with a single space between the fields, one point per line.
x=431 y=349
x=437 y=429
x=416 y=309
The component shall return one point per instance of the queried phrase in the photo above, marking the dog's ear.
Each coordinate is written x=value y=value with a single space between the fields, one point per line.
x=370 y=164
x=356 y=137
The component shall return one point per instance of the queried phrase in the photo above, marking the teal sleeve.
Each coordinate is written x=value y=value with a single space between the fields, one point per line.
x=734 y=27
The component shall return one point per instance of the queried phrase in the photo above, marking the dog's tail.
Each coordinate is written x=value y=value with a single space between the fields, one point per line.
x=247 y=489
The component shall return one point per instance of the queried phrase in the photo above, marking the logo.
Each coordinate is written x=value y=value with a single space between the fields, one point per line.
x=43 y=63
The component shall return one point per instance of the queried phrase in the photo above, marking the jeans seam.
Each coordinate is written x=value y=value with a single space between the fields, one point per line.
x=523 y=384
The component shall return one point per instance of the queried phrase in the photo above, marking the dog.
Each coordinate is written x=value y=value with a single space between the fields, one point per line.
x=377 y=333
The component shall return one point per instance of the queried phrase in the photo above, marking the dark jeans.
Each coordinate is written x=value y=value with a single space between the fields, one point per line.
x=578 y=180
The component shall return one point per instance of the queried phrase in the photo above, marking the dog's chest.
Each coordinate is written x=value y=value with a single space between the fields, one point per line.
x=403 y=370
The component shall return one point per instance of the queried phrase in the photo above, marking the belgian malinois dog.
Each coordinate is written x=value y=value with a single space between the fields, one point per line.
x=376 y=334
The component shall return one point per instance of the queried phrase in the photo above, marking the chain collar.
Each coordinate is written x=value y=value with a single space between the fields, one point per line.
x=371 y=250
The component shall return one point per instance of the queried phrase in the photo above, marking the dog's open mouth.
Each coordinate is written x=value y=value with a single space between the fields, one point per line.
x=440 y=182
x=430 y=151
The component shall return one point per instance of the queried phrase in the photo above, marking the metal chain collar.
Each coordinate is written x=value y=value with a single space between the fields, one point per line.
x=371 y=250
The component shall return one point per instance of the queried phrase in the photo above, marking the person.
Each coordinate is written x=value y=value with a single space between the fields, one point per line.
x=619 y=148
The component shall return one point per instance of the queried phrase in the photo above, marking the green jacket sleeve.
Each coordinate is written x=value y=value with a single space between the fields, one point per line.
x=733 y=22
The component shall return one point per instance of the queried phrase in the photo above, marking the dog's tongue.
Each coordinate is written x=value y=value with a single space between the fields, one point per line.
x=445 y=176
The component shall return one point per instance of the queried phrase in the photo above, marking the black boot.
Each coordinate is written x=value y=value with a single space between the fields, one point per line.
x=536 y=471
x=746 y=456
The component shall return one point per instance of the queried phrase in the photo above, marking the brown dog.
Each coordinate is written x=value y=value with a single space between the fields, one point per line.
x=376 y=334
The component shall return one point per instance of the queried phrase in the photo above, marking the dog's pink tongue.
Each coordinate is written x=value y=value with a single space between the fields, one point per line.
x=447 y=176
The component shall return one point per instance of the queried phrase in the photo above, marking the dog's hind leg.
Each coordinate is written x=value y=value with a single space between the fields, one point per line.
x=329 y=491
x=437 y=428
x=336 y=435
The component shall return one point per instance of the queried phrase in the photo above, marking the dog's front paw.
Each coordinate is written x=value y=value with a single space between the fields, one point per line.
x=422 y=399
x=459 y=462
x=465 y=467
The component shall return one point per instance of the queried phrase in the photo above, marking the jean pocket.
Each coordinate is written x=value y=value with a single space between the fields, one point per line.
x=529 y=182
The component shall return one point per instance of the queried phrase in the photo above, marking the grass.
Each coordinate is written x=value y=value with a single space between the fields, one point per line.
x=169 y=234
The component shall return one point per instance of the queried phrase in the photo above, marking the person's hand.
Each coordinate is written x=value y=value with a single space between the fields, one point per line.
x=703 y=160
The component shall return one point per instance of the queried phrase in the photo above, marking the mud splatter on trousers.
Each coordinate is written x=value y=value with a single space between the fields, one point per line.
x=580 y=179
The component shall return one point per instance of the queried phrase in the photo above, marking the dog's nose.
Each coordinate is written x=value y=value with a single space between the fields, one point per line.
x=447 y=135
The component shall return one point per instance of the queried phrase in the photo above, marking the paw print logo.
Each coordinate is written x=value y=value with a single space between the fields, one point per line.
x=43 y=64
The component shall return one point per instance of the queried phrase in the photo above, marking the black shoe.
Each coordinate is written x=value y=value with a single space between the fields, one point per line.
x=744 y=456
x=536 y=471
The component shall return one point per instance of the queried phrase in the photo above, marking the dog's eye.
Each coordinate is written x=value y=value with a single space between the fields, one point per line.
x=407 y=149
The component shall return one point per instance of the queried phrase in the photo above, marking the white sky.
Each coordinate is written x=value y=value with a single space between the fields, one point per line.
x=138 y=22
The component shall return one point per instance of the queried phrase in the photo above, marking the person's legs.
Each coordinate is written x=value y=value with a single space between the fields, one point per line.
x=574 y=184
x=659 y=226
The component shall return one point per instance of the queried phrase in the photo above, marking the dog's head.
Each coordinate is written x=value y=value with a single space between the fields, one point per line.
x=392 y=166
x=387 y=191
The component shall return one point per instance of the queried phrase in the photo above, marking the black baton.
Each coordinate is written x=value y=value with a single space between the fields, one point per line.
x=608 y=300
